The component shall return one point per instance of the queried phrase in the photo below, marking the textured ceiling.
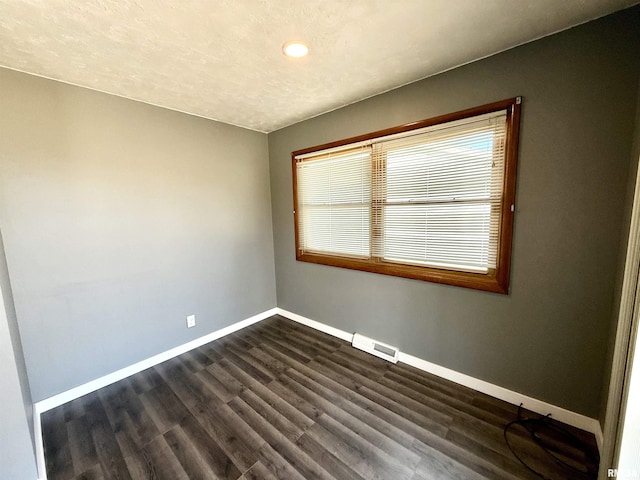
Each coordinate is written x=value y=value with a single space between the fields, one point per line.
x=222 y=59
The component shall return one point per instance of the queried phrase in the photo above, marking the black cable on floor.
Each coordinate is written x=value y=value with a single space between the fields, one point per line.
x=532 y=425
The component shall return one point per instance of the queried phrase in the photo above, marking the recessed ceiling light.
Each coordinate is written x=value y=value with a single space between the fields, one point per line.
x=295 y=49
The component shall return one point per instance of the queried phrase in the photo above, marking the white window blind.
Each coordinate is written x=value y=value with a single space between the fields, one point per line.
x=334 y=199
x=429 y=197
x=440 y=194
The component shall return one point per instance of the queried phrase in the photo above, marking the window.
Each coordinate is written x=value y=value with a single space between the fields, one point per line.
x=432 y=200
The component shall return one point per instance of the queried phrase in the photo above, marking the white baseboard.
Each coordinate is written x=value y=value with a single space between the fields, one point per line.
x=599 y=438
x=37 y=426
x=347 y=337
x=98 y=383
x=543 y=408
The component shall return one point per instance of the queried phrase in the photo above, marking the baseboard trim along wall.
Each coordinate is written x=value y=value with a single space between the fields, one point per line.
x=543 y=408
x=77 y=392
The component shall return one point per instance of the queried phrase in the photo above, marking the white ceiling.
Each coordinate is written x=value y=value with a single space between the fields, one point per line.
x=222 y=59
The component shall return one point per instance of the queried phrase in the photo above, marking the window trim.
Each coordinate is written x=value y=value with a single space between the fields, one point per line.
x=496 y=280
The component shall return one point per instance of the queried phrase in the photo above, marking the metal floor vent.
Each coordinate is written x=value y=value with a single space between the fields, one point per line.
x=369 y=345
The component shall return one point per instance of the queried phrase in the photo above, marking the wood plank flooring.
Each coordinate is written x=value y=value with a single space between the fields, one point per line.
x=279 y=400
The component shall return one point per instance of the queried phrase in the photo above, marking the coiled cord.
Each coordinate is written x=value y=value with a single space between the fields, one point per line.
x=542 y=423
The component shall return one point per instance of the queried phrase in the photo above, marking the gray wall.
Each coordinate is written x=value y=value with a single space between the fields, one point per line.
x=119 y=219
x=548 y=337
x=17 y=454
x=631 y=186
x=16 y=342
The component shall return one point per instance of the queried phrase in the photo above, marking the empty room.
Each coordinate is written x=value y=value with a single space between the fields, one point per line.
x=319 y=240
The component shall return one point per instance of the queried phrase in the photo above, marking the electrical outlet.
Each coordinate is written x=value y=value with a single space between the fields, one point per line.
x=191 y=321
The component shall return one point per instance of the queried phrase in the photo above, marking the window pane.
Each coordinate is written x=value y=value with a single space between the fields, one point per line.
x=334 y=196
x=337 y=229
x=458 y=167
x=441 y=235
x=342 y=179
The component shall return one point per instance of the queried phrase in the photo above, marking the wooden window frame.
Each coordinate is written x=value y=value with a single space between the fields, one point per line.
x=495 y=280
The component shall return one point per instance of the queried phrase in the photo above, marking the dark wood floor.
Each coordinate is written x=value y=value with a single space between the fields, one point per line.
x=281 y=401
